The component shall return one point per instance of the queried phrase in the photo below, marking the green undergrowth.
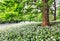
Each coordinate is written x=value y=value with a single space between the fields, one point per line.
x=31 y=32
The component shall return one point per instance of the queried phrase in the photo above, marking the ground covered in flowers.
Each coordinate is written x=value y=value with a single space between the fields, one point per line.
x=31 y=32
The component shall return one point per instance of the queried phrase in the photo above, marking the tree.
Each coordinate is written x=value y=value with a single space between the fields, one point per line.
x=34 y=0
x=54 y=9
x=45 y=13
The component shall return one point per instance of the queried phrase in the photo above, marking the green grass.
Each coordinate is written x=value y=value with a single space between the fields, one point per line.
x=32 y=32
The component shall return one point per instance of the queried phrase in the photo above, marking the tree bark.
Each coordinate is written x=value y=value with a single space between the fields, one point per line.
x=54 y=10
x=45 y=13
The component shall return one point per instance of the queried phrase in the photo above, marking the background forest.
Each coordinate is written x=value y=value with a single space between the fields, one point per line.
x=47 y=11
x=25 y=10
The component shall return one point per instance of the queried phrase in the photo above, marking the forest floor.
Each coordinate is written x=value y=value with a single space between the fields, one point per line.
x=10 y=25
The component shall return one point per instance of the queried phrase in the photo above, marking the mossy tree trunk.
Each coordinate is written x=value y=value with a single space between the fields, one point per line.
x=45 y=13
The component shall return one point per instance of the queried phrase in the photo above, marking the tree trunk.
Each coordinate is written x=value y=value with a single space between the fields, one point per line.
x=45 y=13
x=34 y=0
x=54 y=10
